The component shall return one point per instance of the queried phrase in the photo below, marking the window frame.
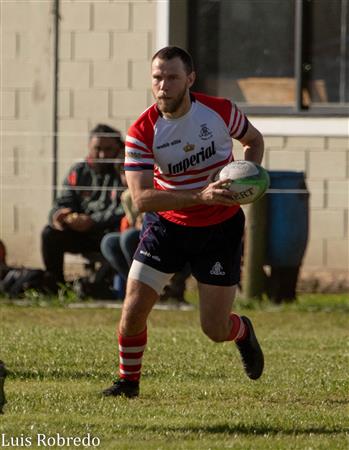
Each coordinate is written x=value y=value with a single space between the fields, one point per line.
x=302 y=18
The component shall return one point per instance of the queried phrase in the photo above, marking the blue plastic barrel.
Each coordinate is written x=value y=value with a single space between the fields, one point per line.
x=287 y=219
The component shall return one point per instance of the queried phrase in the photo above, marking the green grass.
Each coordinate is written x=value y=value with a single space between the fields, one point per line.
x=194 y=394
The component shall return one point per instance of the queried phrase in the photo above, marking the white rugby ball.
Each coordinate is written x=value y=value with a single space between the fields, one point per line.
x=246 y=180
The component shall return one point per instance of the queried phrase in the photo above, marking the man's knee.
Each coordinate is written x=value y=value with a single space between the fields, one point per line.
x=138 y=303
x=49 y=234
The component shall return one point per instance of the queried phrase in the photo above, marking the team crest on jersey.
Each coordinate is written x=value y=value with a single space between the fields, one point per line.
x=189 y=147
x=217 y=269
x=205 y=132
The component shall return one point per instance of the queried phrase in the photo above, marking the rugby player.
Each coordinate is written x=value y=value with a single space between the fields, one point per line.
x=173 y=151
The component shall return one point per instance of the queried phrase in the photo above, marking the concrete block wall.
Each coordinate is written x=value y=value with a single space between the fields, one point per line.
x=105 y=48
x=26 y=125
x=325 y=162
x=104 y=54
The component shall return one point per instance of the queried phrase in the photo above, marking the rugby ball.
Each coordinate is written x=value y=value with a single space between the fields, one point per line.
x=246 y=180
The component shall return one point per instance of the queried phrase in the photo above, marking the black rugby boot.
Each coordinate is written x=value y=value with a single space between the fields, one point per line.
x=251 y=352
x=122 y=387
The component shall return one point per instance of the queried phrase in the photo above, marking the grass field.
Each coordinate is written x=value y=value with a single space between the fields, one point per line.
x=194 y=393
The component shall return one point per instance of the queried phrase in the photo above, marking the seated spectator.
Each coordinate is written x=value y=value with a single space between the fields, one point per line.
x=118 y=247
x=89 y=205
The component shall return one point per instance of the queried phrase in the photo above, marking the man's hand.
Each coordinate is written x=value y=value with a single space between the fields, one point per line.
x=59 y=217
x=78 y=222
x=216 y=194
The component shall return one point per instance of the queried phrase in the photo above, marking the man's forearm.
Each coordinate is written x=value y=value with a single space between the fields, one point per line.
x=254 y=150
x=155 y=200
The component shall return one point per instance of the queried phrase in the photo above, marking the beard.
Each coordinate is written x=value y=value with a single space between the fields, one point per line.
x=171 y=105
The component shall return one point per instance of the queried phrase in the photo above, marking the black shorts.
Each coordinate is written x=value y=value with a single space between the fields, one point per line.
x=213 y=252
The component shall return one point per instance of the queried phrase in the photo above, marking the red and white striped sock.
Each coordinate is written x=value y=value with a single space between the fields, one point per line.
x=131 y=350
x=238 y=330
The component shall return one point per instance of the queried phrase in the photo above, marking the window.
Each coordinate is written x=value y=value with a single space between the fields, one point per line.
x=272 y=56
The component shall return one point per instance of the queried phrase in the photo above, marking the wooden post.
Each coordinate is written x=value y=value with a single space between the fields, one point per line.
x=253 y=277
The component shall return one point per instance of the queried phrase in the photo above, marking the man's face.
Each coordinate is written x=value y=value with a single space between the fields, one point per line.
x=170 y=85
x=100 y=149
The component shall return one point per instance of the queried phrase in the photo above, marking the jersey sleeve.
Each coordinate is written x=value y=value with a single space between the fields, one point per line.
x=238 y=123
x=139 y=145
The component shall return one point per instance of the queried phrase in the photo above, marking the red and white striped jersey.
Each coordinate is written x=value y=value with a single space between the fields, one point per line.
x=184 y=153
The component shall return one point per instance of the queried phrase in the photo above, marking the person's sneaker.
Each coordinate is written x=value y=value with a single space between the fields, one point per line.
x=251 y=352
x=122 y=387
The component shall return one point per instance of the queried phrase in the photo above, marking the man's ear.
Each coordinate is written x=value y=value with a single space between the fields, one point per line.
x=191 y=79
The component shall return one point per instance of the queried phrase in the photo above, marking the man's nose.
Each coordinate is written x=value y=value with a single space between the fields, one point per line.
x=163 y=85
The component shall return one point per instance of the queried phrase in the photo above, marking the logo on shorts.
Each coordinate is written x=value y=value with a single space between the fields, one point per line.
x=217 y=269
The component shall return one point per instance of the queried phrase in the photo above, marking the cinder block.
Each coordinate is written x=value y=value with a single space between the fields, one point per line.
x=7 y=216
x=65 y=45
x=74 y=74
x=73 y=127
x=15 y=16
x=287 y=160
x=128 y=103
x=15 y=126
x=92 y=45
x=317 y=193
x=337 y=253
x=64 y=103
x=75 y=16
x=328 y=165
x=144 y=16
x=18 y=74
x=315 y=253
x=24 y=103
x=130 y=46
x=272 y=142
x=110 y=74
x=111 y=16
x=91 y=103
x=8 y=45
x=304 y=142
x=337 y=195
x=338 y=143
x=327 y=224
x=16 y=242
x=140 y=75
x=8 y=104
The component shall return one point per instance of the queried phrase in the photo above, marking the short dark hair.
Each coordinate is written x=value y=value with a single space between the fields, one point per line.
x=171 y=52
x=103 y=130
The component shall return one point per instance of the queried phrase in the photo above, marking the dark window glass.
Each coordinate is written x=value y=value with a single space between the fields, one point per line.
x=326 y=44
x=246 y=50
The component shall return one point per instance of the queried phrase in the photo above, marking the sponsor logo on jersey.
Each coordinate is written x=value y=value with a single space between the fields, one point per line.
x=205 y=132
x=133 y=155
x=189 y=147
x=193 y=160
x=217 y=269
x=159 y=147
x=167 y=144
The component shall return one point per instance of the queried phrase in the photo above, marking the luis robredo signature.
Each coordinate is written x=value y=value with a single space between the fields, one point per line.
x=53 y=440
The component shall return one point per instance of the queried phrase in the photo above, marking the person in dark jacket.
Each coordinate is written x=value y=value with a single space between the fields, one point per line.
x=89 y=204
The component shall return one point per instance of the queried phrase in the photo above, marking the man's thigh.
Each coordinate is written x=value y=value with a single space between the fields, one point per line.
x=218 y=262
x=161 y=245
